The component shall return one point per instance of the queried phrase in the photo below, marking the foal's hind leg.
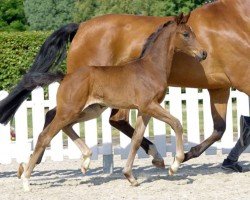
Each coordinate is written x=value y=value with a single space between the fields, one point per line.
x=85 y=150
x=43 y=141
x=91 y=112
x=120 y=120
x=48 y=118
x=155 y=110
x=141 y=124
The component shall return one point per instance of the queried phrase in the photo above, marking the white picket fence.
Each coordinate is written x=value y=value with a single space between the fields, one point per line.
x=191 y=107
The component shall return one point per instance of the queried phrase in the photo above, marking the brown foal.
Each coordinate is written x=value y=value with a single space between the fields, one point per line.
x=140 y=84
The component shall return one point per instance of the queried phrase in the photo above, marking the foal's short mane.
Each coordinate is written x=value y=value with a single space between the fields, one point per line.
x=152 y=38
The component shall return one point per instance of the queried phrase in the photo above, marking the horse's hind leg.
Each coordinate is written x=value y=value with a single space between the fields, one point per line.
x=141 y=124
x=218 y=101
x=155 y=110
x=120 y=120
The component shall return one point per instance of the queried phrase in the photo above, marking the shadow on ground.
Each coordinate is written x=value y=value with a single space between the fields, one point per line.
x=55 y=178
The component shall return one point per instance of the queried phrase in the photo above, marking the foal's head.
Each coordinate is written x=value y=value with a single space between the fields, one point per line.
x=185 y=40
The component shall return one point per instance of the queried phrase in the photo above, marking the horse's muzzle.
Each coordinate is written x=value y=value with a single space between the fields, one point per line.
x=202 y=55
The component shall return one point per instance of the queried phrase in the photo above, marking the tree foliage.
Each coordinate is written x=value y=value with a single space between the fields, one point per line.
x=48 y=14
x=86 y=9
x=51 y=14
x=12 y=15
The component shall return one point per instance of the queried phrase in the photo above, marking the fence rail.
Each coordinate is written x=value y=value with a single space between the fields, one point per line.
x=190 y=106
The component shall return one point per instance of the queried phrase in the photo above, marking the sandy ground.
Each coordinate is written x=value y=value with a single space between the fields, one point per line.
x=200 y=178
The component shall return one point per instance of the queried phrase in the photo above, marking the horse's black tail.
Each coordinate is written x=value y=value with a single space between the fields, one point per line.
x=42 y=72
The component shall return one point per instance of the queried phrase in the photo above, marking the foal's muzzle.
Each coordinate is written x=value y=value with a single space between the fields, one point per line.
x=202 y=55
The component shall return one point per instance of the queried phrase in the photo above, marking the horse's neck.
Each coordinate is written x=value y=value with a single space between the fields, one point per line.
x=162 y=51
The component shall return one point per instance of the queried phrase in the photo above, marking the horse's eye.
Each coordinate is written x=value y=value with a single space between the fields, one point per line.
x=186 y=34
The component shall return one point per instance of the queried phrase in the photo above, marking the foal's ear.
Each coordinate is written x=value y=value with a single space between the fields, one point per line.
x=178 y=19
x=185 y=18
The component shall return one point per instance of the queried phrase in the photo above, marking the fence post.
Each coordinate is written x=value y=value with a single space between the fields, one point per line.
x=193 y=131
x=208 y=121
x=37 y=113
x=175 y=102
x=91 y=137
x=57 y=141
x=5 y=150
x=108 y=163
x=23 y=149
x=73 y=151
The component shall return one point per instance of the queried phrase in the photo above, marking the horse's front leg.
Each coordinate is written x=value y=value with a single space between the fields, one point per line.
x=218 y=101
x=120 y=120
x=141 y=124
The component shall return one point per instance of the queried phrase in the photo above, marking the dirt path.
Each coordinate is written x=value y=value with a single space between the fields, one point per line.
x=201 y=178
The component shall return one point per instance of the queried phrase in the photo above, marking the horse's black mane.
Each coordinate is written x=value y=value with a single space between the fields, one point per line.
x=152 y=38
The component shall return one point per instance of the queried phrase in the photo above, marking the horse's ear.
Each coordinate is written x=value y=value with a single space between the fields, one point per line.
x=185 y=18
x=178 y=19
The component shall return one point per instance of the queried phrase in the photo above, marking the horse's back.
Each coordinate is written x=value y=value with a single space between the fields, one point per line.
x=110 y=40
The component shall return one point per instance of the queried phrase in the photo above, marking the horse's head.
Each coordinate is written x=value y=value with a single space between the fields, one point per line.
x=185 y=39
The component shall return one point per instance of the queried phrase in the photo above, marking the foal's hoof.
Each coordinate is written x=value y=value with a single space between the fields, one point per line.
x=159 y=163
x=20 y=170
x=26 y=184
x=171 y=172
x=85 y=164
x=135 y=183
x=83 y=170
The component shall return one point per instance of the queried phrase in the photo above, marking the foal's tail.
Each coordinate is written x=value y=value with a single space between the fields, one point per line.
x=43 y=71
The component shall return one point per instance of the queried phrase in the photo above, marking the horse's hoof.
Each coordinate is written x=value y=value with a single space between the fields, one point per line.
x=84 y=170
x=26 y=184
x=159 y=163
x=86 y=162
x=135 y=183
x=170 y=172
x=20 y=170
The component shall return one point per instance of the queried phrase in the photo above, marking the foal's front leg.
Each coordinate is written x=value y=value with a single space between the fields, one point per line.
x=141 y=124
x=155 y=110
x=120 y=120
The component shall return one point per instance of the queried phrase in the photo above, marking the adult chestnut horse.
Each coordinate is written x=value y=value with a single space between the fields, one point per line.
x=222 y=27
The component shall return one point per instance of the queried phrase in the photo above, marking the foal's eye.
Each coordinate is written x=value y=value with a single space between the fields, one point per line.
x=186 y=34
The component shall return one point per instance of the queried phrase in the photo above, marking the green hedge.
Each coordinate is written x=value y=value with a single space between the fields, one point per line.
x=17 y=52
